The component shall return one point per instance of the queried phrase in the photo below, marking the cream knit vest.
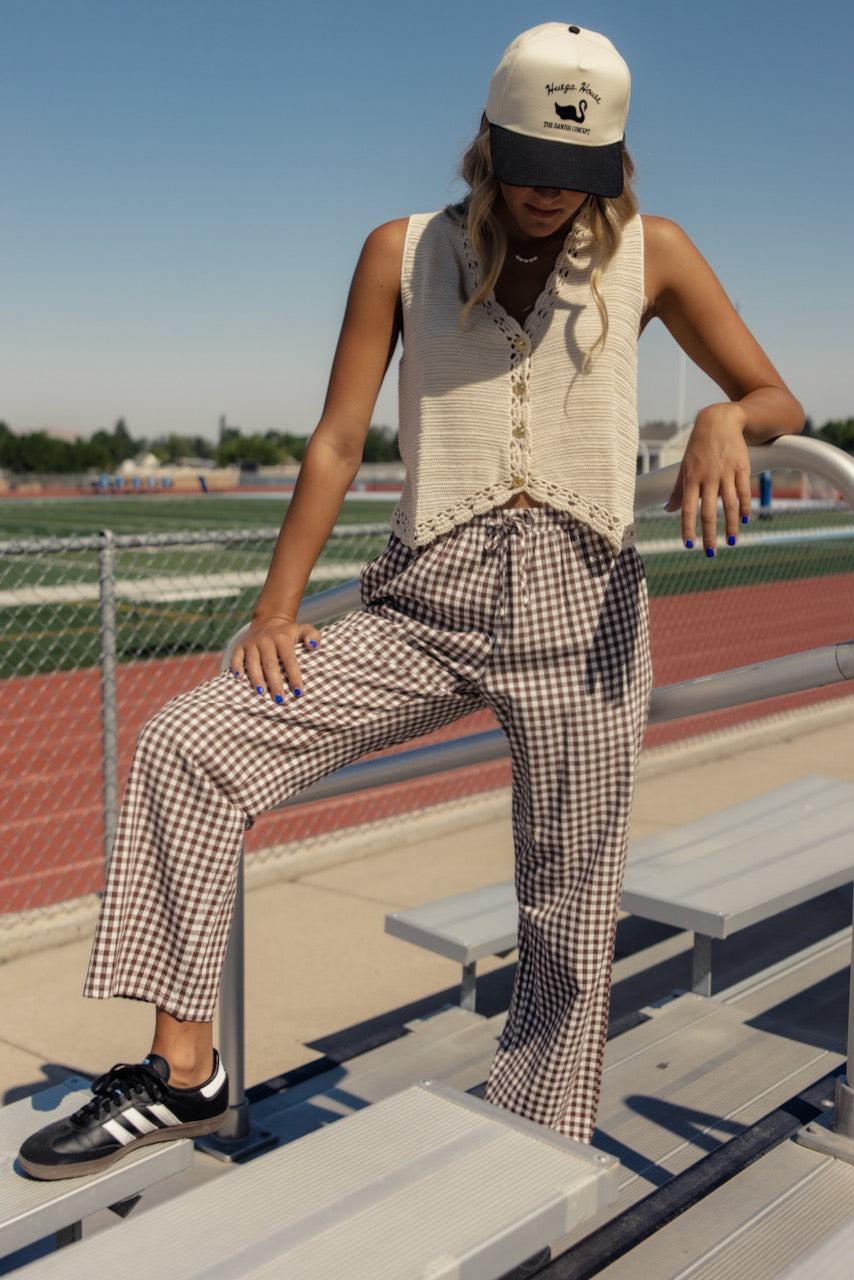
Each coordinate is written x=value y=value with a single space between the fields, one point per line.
x=497 y=408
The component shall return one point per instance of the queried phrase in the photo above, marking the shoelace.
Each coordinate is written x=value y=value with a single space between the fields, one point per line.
x=121 y=1083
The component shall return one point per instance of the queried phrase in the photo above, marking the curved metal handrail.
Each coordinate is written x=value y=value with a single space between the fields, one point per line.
x=786 y=453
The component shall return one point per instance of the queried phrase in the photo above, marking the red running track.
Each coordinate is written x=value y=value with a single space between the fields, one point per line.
x=50 y=807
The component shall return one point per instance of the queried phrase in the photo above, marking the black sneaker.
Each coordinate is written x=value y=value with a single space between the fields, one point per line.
x=133 y=1105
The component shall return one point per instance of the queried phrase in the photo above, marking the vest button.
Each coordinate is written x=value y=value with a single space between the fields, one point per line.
x=519 y=433
x=519 y=388
x=517 y=481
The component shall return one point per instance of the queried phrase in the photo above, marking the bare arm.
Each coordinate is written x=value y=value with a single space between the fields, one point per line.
x=368 y=337
x=685 y=294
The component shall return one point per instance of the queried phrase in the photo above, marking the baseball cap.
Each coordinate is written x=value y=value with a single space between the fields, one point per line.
x=557 y=110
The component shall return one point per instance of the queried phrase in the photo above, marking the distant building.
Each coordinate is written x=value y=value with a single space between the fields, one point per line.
x=659 y=444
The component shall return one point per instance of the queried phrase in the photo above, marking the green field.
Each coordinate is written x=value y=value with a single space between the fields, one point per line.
x=53 y=633
x=159 y=513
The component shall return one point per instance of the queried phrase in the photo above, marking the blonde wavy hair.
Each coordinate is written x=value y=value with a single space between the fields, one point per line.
x=604 y=217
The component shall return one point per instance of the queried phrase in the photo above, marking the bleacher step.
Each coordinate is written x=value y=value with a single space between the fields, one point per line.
x=683 y=1083
x=779 y=1211
x=31 y=1210
x=429 y=1182
x=453 y=1046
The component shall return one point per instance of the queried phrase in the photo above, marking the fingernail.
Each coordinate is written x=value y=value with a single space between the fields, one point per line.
x=259 y=688
x=279 y=699
x=710 y=551
x=312 y=644
x=237 y=675
x=297 y=693
x=689 y=542
x=731 y=540
x=745 y=519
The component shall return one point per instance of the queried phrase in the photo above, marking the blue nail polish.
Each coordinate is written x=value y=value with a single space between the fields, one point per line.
x=745 y=519
x=731 y=540
x=689 y=542
x=710 y=551
x=279 y=699
x=312 y=644
x=297 y=693
x=237 y=675
x=259 y=688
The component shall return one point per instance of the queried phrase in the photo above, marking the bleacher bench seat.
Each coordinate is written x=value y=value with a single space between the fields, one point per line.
x=713 y=876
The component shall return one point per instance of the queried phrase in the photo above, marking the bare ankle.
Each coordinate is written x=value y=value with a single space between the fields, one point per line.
x=187 y=1047
x=187 y=1075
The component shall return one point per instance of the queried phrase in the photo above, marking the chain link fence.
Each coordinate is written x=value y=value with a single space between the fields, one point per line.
x=99 y=631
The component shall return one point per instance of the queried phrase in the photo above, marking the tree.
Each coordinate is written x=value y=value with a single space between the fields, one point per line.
x=255 y=450
x=172 y=448
x=381 y=445
x=36 y=452
x=7 y=445
x=839 y=433
x=124 y=446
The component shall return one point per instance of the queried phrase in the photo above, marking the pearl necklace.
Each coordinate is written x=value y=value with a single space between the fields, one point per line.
x=547 y=247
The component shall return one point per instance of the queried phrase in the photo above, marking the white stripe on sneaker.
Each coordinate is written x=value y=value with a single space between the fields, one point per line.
x=115 y=1130
x=161 y=1113
x=140 y=1122
x=215 y=1083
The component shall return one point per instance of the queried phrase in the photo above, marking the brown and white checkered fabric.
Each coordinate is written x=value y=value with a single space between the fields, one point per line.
x=526 y=612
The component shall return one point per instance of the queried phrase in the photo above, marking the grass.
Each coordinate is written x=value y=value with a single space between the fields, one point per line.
x=162 y=513
x=675 y=573
x=159 y=513
x=37 y=639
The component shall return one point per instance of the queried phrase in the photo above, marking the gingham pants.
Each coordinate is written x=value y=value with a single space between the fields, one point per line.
x=526 y=612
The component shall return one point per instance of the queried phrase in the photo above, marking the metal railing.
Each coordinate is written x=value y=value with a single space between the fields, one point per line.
x=796 y=672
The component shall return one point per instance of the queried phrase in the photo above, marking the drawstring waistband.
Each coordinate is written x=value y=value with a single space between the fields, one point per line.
x=501 y=527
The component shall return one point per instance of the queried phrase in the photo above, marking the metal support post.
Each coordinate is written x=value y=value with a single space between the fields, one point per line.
x=238 y=1138
x=109 y=715
x=835 y=1137
x=68 y=1235
x=701 y=965
x=468 y=986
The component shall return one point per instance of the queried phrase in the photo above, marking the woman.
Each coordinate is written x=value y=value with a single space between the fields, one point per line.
x=510 y=581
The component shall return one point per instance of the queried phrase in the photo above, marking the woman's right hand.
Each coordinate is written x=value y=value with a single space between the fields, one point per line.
x=368 y=339
x=268 y=650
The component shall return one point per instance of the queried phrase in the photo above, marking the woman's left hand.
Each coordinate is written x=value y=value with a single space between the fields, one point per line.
x=715 y=466
x=682 y=291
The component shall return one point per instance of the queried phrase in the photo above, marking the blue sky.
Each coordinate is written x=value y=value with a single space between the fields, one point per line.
x=187 y=184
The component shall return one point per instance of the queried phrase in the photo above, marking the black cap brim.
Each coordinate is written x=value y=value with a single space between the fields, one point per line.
x=536 y=162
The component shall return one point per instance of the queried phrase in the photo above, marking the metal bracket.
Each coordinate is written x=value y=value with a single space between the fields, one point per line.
x=238 y=1139
x=833 y=1134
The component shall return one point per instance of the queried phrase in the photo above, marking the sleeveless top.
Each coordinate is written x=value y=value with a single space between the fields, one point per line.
x=497 y=408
